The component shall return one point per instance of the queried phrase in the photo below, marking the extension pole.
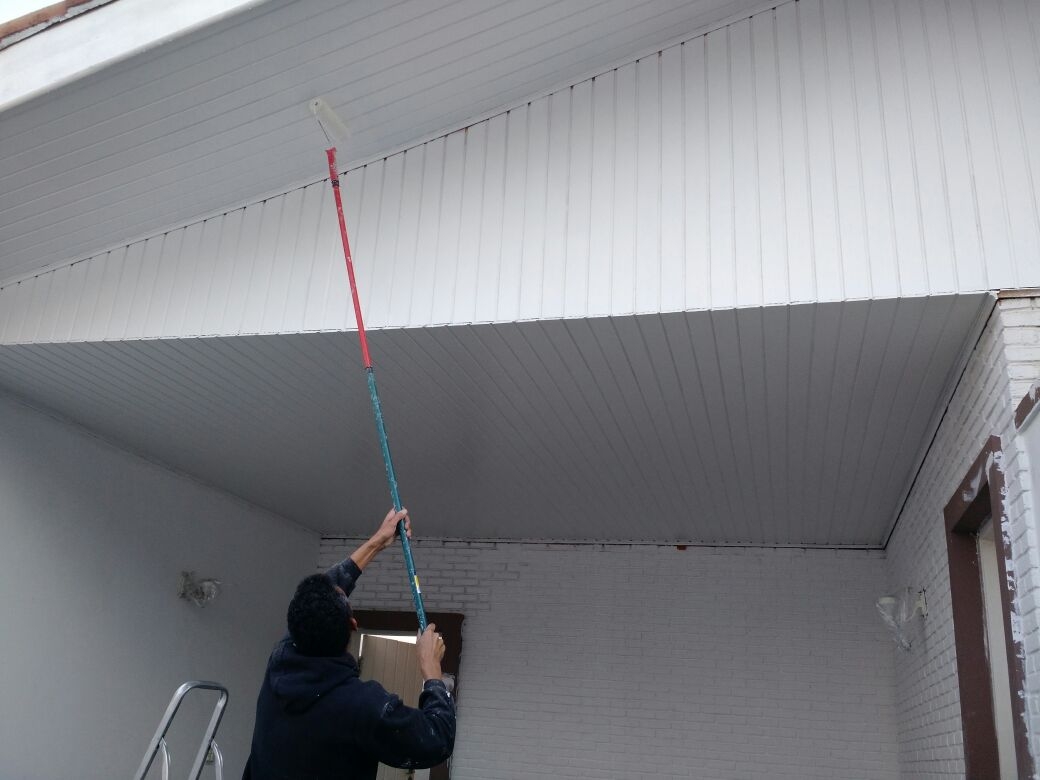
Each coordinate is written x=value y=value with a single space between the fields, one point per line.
x=377 y=408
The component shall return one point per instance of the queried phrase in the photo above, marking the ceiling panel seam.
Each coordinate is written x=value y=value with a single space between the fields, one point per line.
x=563 y=544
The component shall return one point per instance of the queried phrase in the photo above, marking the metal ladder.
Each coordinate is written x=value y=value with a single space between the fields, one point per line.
x=209 y=744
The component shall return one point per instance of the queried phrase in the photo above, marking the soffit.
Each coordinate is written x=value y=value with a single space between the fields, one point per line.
x=792 y=425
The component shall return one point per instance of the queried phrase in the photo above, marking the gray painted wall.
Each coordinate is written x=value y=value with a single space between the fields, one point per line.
x=93 y=639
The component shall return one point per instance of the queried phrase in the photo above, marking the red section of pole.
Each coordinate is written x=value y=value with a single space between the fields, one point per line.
x=334 y=179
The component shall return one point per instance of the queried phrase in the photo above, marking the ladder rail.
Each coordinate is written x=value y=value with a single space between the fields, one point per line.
x=207 y=742
x=165 y=752
x=218 y=761
x=158 y=741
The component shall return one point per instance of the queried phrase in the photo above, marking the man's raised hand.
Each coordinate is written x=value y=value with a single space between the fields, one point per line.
x=384 y=537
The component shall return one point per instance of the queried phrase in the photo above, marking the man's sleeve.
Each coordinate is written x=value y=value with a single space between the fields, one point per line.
x=421 y=738
x=345 y=574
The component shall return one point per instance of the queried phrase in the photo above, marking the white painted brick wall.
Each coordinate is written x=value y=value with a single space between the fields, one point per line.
x=630 y=662
x=1001 y=369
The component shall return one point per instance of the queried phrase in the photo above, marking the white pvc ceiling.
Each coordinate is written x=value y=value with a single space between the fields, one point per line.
x=219 y=117
x=786 y=425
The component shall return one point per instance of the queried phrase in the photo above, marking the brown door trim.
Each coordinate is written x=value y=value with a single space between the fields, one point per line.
x=449 y=626
x=979 y=496
x=1028 y=403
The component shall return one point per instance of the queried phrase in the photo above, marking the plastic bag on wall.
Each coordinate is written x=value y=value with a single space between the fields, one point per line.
x=898 y=611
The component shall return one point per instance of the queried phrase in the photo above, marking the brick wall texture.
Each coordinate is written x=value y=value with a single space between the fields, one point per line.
x=630 y=662
x=1003 y=365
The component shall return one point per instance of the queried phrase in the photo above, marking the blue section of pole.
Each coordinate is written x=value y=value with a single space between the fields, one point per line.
x=391 y=478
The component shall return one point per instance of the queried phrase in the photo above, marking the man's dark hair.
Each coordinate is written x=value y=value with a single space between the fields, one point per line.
x=319 y=617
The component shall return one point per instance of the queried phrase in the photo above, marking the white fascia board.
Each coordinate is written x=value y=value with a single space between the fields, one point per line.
x=107 y=35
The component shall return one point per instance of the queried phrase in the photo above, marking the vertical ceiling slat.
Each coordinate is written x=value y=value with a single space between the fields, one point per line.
x=900 y=158
x=933 y=193
x=747 y=217
x=75 y=295
x=94 y=288
x=150 y=298
x=698 y=422
x=328 y=274
x=602 y=204
x=726 y=355
x=623 y=252
x=510 y=261
x=983 y=144
x=374 y=269
x=130 y=294
x=283 y=253
x=854 y=370
x=819 y=129
x=244 y=242
x=579 y=204
x=672 y=293
x=798 y=357
x=873 y=337
x=722 y=207
x=648 y=185
x=1013 y=138
x=960 y=192
x=305 y=249
x=776 y=333
x=211 y=272
x=852 y=222
x=702 y=516
x=485 y=301
x=179 y=270
x=406 y=258
x=49 y=307
x=464 y=291
x=446 y=257
x=220 y=251
x=421 y=287
x=709 y=388
x=819 y=397
x=757 y=430
x=557 y=193
x=697 y=220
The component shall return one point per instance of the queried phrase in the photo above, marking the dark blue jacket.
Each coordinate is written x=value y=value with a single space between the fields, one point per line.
x=316 y=720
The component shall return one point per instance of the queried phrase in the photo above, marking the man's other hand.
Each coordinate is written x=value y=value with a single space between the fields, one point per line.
x=384 y=537
x=430 y=649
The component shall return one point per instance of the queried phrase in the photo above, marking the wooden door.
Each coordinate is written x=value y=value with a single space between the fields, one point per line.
x=394 y=666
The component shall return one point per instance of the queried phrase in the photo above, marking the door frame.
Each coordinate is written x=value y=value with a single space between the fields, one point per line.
x=979 y=497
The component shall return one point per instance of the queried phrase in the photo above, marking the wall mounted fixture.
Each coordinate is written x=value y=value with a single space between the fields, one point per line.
x=198 y=592
x=898 y=610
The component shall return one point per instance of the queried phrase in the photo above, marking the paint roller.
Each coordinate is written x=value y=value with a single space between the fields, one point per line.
x=331 y=125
